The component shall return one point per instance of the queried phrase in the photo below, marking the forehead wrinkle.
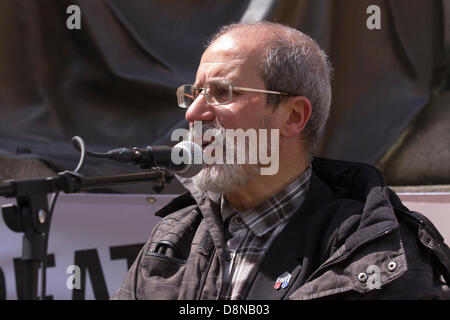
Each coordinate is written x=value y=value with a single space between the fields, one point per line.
x=237 y=60
x=218 y=70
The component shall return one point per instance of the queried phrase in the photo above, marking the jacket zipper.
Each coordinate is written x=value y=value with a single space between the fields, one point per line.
x=205 y=274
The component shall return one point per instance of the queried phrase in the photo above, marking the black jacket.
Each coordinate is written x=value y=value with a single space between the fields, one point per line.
x=351 y=239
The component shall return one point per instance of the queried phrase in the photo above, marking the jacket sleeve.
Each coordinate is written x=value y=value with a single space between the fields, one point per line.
x=423 y=279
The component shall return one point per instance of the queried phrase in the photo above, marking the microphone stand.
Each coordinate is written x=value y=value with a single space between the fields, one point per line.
x=31 y=215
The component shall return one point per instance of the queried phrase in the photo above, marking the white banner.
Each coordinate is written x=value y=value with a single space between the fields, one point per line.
x=100 y=233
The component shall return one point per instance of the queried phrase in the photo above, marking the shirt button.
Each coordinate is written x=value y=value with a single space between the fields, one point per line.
x=229 y=256
x=237 y=220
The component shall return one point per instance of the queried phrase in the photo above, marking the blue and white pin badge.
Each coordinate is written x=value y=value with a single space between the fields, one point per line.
x=282 y=281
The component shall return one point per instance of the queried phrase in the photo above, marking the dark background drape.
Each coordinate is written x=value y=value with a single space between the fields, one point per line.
x=113 y=82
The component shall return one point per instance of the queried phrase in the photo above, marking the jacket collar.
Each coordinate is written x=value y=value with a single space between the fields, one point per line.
x=364 y=183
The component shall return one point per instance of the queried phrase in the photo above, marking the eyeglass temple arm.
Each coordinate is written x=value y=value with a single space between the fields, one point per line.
x=261 y=90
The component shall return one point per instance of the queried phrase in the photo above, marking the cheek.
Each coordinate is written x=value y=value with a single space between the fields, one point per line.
x=245 y=113
x=251 y=112
x=231 y=117
x=274 y=117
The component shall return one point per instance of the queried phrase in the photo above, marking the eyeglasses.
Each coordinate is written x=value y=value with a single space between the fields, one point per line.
x=216 y=93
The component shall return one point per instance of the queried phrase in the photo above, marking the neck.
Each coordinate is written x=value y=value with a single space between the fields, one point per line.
x=263 y=187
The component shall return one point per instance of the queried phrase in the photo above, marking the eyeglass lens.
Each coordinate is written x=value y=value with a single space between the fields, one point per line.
x=215 y=94
x=186 y=95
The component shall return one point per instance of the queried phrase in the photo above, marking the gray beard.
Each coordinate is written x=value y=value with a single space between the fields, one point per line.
x=224 y=178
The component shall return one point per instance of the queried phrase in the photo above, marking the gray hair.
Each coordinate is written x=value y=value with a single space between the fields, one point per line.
x=293 y=62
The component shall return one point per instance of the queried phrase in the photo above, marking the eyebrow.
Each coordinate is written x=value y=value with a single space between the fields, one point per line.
x=215 y=79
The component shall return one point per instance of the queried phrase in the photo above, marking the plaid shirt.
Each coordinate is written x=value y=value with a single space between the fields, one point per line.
x=249 y=234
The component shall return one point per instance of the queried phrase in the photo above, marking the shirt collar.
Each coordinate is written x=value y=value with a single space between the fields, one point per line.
x=274 y=211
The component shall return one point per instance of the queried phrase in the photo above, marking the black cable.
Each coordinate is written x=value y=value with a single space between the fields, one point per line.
x=80 y=145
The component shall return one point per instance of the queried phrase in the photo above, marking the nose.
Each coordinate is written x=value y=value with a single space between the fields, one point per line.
x=199 y=110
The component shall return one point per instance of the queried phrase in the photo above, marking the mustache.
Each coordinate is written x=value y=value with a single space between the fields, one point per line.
x=214 y=126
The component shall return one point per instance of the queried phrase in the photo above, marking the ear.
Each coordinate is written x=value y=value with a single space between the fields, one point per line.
x=297 y=111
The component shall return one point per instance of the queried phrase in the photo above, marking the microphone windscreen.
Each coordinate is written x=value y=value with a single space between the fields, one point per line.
x=192 y=155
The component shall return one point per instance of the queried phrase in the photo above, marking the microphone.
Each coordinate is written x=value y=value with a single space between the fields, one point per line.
x=184 y=159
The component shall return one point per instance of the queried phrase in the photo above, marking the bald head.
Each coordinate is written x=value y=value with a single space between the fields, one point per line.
x=288 y=61
x=261 y=31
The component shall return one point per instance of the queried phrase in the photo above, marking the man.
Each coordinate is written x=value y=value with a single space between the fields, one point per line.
x=315 y=229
